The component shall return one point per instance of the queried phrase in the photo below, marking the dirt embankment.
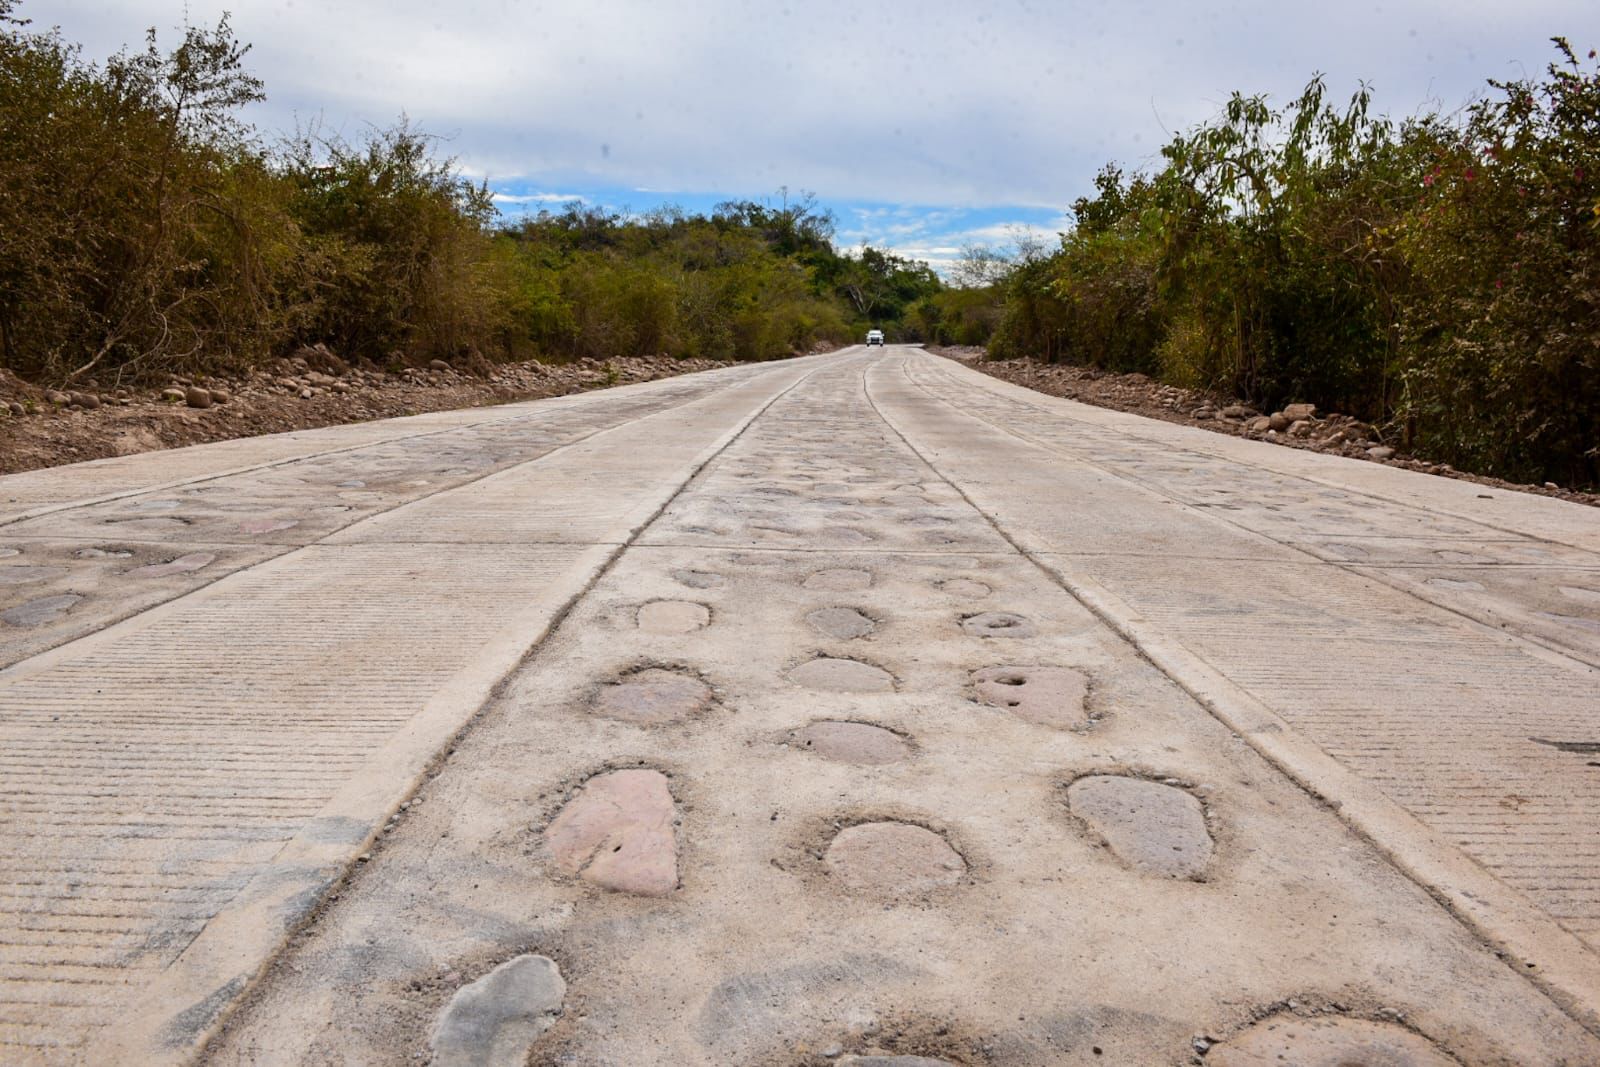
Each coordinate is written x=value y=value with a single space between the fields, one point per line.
x=1296 y=426
x=42 y=427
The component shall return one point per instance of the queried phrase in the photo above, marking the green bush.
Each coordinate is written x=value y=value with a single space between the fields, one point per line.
x=145 y=230
x=1439 y=277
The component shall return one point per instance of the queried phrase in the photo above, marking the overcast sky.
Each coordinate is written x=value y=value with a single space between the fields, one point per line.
x=923 y=124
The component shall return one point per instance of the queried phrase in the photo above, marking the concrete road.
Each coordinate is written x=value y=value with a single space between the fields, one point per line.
x=830 y=711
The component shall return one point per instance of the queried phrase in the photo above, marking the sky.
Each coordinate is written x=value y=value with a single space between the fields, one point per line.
x=924 y=125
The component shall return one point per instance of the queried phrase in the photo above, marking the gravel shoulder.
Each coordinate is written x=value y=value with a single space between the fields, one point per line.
x=1325 y=432
x=41 y=427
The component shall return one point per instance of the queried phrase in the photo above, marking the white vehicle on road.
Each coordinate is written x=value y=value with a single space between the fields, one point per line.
x=874 y=337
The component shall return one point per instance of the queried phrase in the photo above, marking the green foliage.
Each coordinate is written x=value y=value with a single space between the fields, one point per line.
x=144 y=229
x=1501 y=333
x=1440 y=277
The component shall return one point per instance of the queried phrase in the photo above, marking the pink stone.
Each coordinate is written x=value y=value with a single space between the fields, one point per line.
x=1046 y=696
x=892 y=858
x=617 y=833
x=259 y=526
x=852 y=742
x=653 y=696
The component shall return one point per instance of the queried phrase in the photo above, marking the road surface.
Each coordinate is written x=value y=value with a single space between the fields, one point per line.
x=846 y=707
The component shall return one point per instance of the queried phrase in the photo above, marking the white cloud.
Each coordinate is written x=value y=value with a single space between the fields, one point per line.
x=537 y=198
x=937 y=102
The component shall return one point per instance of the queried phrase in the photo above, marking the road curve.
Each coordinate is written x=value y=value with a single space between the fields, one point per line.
x=941 y=718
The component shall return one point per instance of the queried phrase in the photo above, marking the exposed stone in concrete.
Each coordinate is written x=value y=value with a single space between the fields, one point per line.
x=997 y=624
x=1049 y=696
x=183 y=564
x=893 y=858
x=842 y=623
x=965 y=587
x=699 y=579
x=617 y=833
x=885 y=1060
x=673 y=617
x=103 y=553
x=24 y=574
x=840 y=581
x=652 y=696
x=852 y=742
x=6 y=553
x=495 y=1020
x=1156 y=828
x=842 y=676
x=38 y=612
x=1327 y=1042
x=258 y=526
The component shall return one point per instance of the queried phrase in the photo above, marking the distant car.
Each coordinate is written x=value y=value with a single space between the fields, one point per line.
x=874 y=337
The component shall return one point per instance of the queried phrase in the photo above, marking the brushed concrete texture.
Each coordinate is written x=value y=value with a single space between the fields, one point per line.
x=200 y=751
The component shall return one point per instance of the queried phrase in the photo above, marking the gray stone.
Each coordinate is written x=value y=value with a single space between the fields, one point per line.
x=1278 y=421
x=842 y=623
x=1152 y=827
x=174 y=395
x=965 y=587
x=840 y=580
x=842 y=676
x=197 y=397
x=699 y=579
x=28 y=573
x=1297 y=412
x=38 y=612
x=1380 y=452
x=997 y=624
x=267 y=525
x=673 y=617
x=885 y=1060
x=494 y=1021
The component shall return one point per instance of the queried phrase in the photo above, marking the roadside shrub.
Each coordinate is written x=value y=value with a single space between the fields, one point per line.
x=1439 y=277
x=145 y=230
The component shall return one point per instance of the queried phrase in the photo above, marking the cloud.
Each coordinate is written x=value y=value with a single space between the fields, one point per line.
x=537 y=198
x=938 y=105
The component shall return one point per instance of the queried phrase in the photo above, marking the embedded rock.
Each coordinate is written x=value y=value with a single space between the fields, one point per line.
x=617 y=833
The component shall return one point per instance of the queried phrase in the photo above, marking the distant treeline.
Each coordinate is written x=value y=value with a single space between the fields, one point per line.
x=146 y=230
x=1439 y=275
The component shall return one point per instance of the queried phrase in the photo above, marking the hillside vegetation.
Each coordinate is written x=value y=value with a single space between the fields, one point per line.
x=1437 y=275
x=145 y=230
